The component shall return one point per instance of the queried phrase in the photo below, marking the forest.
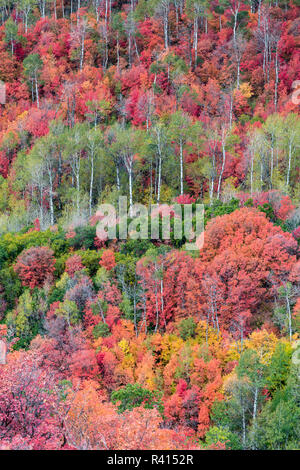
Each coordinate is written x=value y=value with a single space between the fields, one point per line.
x=141 y=344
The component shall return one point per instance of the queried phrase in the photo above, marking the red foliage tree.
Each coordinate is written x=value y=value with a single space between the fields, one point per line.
x=35 y=266
x=29 y=413
x=108 y=260
x=245 y=255
x=74 y=264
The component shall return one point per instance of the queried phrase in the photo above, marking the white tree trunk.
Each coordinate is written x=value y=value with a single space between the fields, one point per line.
x=181 y=167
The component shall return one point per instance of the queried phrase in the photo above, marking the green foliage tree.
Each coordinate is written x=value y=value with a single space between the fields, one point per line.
x=134 y=395
x=217 y=435
x=11 y=34
x=32 y=69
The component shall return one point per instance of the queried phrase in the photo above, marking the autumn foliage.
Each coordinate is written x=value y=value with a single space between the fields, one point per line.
x=140 y=343
x=35 y=266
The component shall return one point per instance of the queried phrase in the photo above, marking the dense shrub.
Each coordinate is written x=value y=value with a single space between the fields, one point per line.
x=35 y=266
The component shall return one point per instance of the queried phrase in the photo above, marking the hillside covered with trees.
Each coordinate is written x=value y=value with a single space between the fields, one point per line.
x=141 y=344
